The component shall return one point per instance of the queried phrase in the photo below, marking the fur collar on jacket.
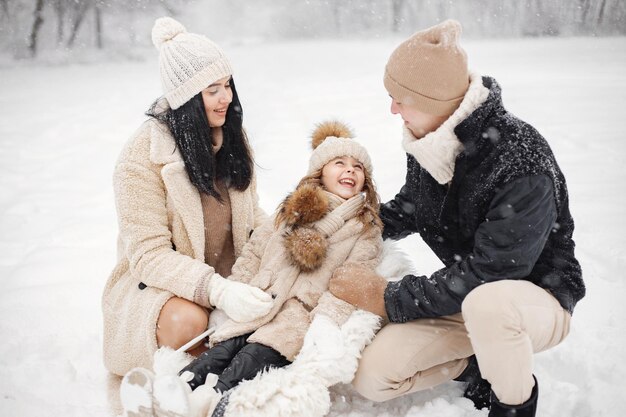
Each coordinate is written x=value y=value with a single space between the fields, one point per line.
x=437 y=151
x=312 y=215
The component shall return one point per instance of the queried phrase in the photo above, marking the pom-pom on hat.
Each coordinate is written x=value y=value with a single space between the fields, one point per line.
x=428 y=71
x=189 y=63
x=333 y=139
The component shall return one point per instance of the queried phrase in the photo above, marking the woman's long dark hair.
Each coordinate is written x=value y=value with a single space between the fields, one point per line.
x=189 y=126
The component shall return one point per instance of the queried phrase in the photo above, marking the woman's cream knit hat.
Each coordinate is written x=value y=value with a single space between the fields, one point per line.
x=189 y=63
x=428 y=71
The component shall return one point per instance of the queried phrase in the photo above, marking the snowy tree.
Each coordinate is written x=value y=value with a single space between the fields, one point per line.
x=28 y=27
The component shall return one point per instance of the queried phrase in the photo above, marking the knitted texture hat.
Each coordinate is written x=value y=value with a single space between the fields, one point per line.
x=428 y=71
x=189 y=63
x=333 y=139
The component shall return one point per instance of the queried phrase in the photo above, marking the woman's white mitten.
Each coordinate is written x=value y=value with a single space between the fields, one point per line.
x=241 y=302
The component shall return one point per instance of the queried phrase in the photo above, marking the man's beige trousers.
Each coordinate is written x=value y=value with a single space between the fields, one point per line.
x=502 y=322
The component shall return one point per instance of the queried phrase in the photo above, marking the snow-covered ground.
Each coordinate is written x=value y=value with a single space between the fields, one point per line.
x=61 y=128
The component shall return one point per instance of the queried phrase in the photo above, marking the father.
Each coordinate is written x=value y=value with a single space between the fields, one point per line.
x=484 y=191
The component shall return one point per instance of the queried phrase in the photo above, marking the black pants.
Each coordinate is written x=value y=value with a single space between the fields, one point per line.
x=233 y=360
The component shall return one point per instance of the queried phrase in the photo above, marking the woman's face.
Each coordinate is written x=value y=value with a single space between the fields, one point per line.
x=217 y=97
x=343 y=176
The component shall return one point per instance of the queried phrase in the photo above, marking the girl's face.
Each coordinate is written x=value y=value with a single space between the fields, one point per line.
x=217 y=97
x=343 y=176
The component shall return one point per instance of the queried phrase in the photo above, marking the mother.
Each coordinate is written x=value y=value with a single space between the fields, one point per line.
x=186 y=200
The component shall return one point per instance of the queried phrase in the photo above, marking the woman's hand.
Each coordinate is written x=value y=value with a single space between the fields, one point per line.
x=361 y=287
x=241 y=302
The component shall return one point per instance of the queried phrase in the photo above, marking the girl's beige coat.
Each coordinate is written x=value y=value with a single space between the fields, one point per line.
x=160 y=245
x=265 y=263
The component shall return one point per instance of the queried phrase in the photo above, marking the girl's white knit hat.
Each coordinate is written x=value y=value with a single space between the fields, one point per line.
x=189 y=63
x=333 y=139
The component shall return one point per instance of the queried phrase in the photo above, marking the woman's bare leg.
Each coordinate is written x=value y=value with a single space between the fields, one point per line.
x=179 y=322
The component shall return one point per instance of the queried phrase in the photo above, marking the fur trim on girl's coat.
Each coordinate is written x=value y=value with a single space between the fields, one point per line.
x=307 y=204
x=306 y=245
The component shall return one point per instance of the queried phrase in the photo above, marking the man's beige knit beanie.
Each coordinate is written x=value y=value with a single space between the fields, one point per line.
x=428 y=71
x=189 y=63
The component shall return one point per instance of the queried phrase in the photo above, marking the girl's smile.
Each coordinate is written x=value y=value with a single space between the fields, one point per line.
x=343 y=176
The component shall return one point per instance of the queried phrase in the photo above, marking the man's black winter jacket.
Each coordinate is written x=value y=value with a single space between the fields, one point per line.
x=504 y=215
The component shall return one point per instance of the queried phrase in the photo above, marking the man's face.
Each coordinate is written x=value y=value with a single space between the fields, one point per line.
x=418 y=122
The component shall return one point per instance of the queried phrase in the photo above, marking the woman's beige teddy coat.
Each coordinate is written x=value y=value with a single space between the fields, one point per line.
x=266 y=263
x=160 y=245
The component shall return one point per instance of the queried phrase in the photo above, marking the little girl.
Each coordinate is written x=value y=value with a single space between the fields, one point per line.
x=329 y=220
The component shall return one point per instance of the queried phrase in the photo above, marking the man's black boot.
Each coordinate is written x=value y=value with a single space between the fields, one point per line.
x=478 y=390
x=527 y=409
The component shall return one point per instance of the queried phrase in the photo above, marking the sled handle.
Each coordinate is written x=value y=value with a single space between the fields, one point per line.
x=196 y=339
